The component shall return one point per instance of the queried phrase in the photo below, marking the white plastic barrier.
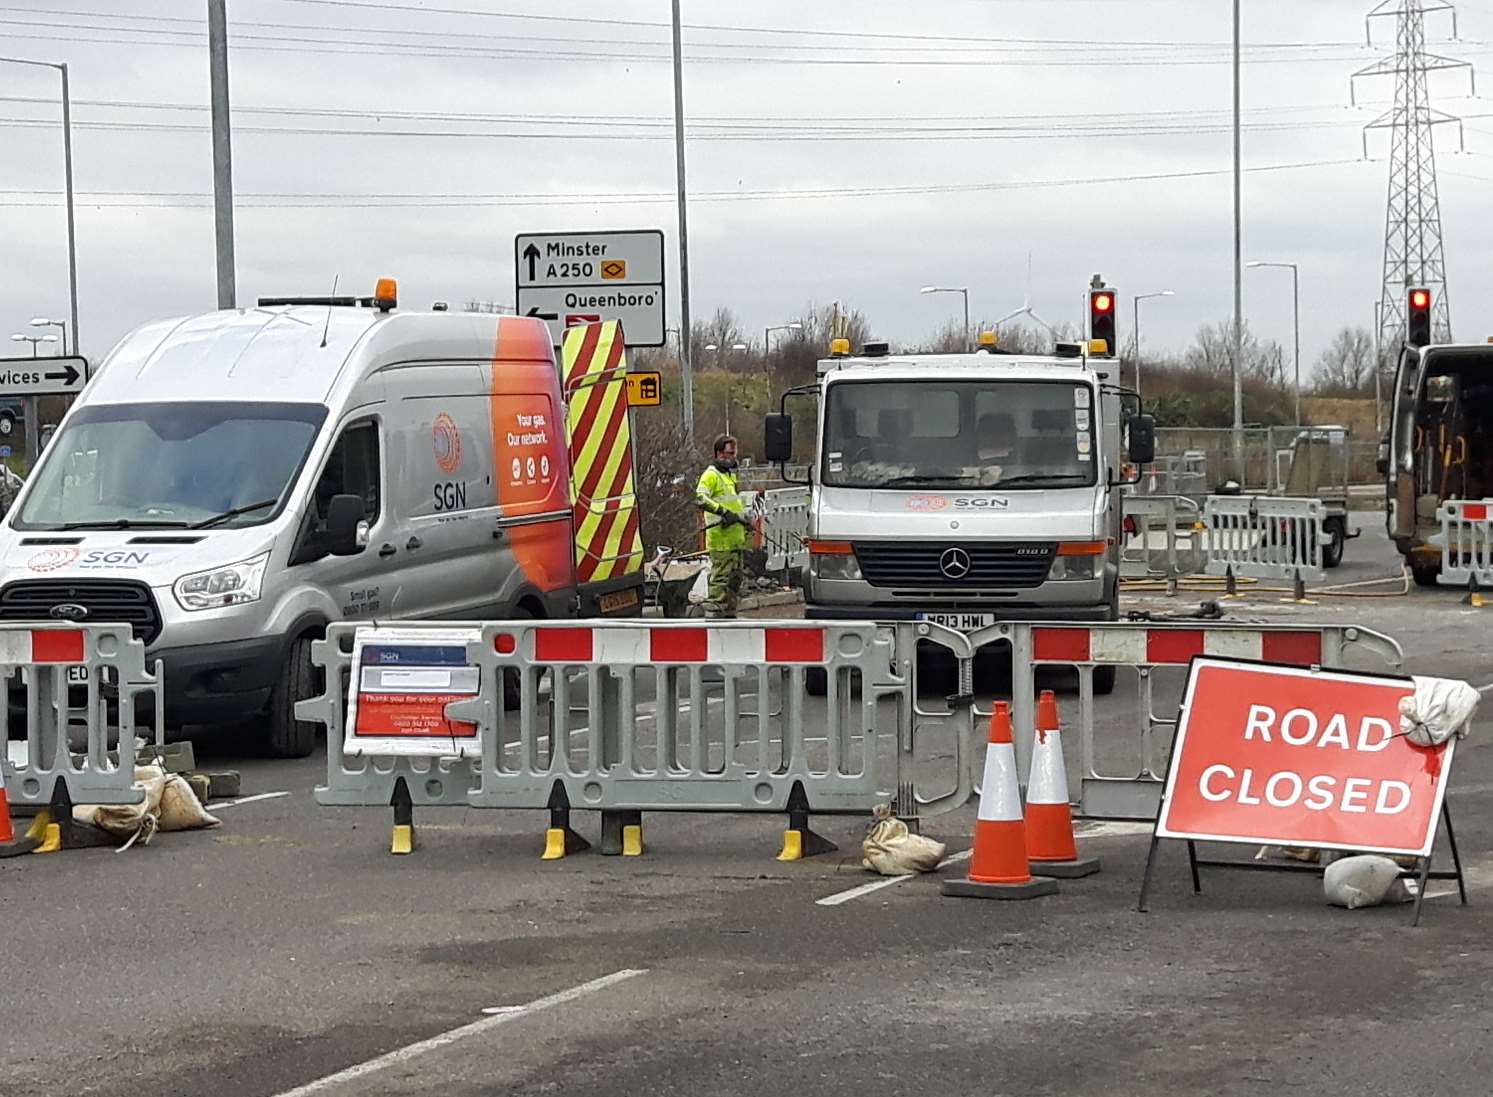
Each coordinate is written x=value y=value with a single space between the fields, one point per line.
x=1265 y=537
x=1466 y=542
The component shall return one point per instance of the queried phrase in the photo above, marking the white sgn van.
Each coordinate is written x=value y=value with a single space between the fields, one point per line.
x=229 y=484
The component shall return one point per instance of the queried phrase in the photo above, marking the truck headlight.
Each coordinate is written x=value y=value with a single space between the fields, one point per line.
x=833 y=560
x=233 y=585
x=1077 y=560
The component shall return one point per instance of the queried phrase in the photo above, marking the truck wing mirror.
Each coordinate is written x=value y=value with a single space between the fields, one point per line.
x=345 y=534
x=778 y=438
x=1141 y=446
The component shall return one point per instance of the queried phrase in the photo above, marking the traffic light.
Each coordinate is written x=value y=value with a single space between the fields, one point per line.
x=1418 y=318
x=1103 y=305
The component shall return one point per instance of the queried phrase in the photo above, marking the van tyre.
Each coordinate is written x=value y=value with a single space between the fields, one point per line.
x=1337 y=537
x=1104 y=681
x=816 y=681
x=289 y=737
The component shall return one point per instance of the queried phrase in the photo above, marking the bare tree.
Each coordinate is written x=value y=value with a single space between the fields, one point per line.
x=1346 y=367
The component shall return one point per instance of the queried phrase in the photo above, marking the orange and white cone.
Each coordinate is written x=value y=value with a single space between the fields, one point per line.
x=1049 y=818
x=10 y=845
x=998 y=868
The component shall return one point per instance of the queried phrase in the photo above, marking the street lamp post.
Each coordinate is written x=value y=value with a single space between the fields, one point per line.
x=1296 y=321
x=34 y=340
x=792 y=325
x=715 y=349
x=61 y=325
x=67 y=172
x=1139 y=297
x=964 y=292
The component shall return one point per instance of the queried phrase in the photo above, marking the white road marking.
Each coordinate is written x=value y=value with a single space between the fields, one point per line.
x=1112 y=829
x=476 y=1028
x=247 y=800
x=890 y=881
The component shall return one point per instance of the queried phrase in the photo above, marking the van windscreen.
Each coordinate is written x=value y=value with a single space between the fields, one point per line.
x=170 y=464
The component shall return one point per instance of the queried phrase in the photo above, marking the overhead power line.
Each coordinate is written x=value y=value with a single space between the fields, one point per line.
x=268 y=200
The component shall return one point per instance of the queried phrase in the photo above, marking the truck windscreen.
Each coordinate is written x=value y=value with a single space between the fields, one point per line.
x=170 y=464
x=940 y=433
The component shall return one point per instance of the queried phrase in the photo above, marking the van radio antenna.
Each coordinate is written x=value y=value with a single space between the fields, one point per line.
x=325 y=330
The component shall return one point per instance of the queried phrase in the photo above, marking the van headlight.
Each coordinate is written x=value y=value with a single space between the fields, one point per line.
x=833 y=559
x=1076 y=560
x=233 y=585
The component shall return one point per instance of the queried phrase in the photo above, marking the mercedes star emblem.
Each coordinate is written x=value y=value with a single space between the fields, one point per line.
x=954 y=563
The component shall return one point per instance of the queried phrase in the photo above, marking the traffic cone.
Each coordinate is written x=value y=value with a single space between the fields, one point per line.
x=10 y=845
x=998 y=869
x=1049 y=819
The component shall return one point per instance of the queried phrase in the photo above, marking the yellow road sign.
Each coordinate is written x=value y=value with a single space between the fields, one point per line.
x=614 y=270
x=645 y=389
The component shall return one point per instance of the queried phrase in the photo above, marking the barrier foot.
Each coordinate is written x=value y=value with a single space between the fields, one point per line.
x=798 y=840
x=622 y=833
x=402 y=840
x=55 y=829
x=560 y=840
x=1298 y=591
x=1230 y=583
x=1474 y=596
x=974 y=889
x=1068 y=870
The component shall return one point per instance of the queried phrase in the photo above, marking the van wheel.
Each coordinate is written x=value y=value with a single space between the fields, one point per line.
x=816 y=681
x=289 y=737
x=1104 y=681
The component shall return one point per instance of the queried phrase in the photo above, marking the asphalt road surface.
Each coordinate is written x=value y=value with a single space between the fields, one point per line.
x=287 y=952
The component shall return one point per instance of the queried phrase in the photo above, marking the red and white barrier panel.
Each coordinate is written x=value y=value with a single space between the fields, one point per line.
x=1160 y=647
x=41 y=646
x=644 y=646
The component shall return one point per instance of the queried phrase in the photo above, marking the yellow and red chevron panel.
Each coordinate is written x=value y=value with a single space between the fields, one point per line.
x=608 y=542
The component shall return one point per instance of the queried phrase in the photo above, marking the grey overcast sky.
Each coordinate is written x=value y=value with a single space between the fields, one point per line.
x=848 y=150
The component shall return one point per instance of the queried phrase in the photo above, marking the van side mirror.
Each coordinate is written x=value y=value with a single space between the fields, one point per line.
x=778 y=438
x=1141 y=449
x=345 y=533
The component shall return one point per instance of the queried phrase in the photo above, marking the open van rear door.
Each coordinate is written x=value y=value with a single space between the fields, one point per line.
x=608 y=539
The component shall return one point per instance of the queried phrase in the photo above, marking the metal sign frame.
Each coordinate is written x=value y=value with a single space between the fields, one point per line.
x=531 y=299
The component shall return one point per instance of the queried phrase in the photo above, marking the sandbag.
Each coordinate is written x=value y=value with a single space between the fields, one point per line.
x=892 y=850
x=1365 y=880
x=1438 y=709
x=168 y=804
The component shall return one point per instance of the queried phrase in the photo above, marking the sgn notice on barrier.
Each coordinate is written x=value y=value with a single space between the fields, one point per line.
x=1300 y=757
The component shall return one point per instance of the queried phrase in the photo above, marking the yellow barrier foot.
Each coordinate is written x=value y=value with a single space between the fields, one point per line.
x=632 y=841
x=403 y=840
x=622 y=833
x=46 y=834
x=561 y=842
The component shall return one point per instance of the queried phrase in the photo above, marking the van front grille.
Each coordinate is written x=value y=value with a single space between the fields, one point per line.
x=108 y=602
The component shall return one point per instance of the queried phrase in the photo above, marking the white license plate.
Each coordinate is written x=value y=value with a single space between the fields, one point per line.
x=77 y=676
x=964 y=622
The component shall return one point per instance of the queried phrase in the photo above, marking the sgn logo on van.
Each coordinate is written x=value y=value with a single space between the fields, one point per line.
x=980 y=502
x=57 y=559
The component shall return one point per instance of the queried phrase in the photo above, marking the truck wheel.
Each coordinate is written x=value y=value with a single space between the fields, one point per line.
x=1104 y=681
x=816 y=681
x=289 y=737
x=1426 y=576
x=1337 y=538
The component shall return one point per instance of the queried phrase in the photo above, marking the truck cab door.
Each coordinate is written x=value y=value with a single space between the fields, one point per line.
x=1400 y=480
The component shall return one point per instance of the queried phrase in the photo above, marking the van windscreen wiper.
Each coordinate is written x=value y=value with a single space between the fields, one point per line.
x=124 y=523
x=248 y=508
x=924 y=478
x=1041 y=477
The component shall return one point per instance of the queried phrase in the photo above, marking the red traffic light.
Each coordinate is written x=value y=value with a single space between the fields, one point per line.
x=1102 y=302
x=1420 y=299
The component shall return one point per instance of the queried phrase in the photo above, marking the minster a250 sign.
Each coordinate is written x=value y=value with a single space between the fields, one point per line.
x=569 y=279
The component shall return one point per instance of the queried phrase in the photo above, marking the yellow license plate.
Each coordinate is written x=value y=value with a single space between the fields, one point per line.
x=619 y=599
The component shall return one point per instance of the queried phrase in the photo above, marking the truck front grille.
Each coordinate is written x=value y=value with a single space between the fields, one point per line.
x=108 y=601
x=1011 y=566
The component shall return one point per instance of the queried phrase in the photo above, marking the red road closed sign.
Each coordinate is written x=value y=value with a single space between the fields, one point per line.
x=1295 y=757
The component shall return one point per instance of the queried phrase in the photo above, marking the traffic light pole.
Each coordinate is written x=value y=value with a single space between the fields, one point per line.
x=1238 y=354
